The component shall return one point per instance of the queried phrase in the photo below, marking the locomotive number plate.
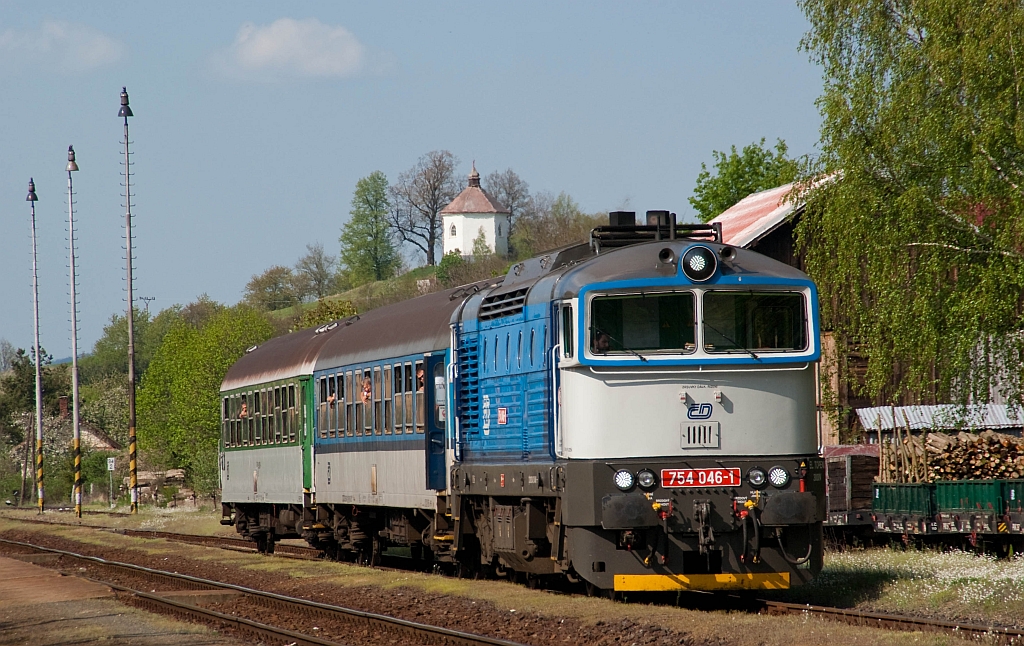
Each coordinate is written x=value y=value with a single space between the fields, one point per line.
x=700 y=478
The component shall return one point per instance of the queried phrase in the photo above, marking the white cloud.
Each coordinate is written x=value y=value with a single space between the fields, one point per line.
x=64 y=46
x=288 y=48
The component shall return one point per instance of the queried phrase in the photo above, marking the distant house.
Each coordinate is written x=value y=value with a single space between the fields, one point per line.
x=472 y=213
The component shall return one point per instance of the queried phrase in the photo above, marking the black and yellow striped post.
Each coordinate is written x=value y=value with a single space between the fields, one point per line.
x=124 y=112
x=78 y=476
x=134 y=479
x=39 y=474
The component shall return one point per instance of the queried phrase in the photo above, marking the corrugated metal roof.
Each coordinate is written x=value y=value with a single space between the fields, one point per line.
x=943 y=416
x=756 y=215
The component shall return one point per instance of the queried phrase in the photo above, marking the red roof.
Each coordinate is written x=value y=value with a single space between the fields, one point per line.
x=473 y=200
x=756 y=215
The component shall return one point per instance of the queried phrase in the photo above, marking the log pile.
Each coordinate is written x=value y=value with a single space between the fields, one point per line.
x=939 y=456
x=966 y=456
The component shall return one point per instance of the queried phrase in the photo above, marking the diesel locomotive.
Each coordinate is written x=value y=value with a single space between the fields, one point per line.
x=636 y=412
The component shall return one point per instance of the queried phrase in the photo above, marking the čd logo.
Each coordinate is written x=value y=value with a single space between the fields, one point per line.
x=699 y=411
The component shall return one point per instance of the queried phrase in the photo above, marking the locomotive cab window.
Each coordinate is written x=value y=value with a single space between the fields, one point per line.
x=642 y=323
x=743 y=322
x=567 y=338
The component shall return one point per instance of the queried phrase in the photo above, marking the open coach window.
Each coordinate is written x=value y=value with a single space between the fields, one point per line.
x=645 y=322
x=754 y=321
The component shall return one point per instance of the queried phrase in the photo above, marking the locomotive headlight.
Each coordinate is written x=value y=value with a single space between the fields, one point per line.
x=624 y=479
x=699 y=263
x=779 y=477
x=646 y=479
x=757 y=477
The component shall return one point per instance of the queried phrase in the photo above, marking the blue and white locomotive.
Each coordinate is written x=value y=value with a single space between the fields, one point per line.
x=637 y=412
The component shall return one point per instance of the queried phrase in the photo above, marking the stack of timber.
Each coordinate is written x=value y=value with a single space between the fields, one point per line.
x=966 y=456
x=935 y=456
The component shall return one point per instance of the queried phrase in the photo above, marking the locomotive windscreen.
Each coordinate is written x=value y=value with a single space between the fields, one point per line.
x=744 y=321
x=661 y=322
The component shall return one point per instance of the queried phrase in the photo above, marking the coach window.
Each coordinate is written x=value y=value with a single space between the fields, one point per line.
x=567 y=337
x=396 y=409
x=388 y=386
x=332 y=405
x=420 y=400
x=286 y=416
x=268 y=416
x=249 y=428
x=257 y=417
x=225 y=420
x=350 y=420
x=408 y=394
x=321 y=408
x=440 y=398
x=293 y=413
x=339 y=404
x=378 y=404
x=278 y=418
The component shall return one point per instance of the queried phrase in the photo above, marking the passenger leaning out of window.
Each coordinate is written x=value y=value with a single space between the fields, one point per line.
x=244 y=412
x=367 y=393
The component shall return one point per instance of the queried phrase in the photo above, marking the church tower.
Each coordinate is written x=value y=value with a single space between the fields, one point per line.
x=473 y=212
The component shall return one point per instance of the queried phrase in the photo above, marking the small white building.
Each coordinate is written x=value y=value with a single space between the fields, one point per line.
x=470 y=213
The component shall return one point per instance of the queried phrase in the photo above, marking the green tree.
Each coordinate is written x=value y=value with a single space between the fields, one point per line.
x=18 y=391
x=450 y=268
x=274 y=289
x=178 y=403
x=480 y=247
x=325 y=312
x=915 y=236
x=738 y=174
x=367 y=250
x=110 y=354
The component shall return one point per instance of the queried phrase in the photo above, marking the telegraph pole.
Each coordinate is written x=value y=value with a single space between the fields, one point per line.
x=126 y=112
x=77 y=447
x=32 y=199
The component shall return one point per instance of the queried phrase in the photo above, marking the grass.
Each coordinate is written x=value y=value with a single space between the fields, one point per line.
x=701 y=627
x=927 y=582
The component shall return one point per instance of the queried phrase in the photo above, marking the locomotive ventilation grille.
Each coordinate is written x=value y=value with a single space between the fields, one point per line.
x=469 y=378
x=499 y=305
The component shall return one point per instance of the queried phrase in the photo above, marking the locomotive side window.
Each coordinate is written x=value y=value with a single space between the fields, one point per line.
x=420 y=400
x=533 y=338
x=495 y=353
x=754 y=321
x=627 y=323
x=398 y=410
x=567 y=337
x=519 y=351
x=508 y=351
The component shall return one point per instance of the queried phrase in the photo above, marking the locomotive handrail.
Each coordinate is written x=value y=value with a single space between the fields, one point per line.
x=555 y=398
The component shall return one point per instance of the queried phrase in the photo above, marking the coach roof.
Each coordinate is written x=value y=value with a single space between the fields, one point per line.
x=284 y=357
x=414 y=326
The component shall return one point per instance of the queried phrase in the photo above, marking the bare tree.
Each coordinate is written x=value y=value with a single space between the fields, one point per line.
x=511 y=190
x=317 y=267
x=418 y=197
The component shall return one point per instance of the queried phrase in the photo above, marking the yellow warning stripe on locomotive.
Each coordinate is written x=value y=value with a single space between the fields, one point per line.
x=669 y=582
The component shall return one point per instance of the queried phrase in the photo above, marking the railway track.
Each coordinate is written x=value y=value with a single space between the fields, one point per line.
x=188 y=593
x=991 y=634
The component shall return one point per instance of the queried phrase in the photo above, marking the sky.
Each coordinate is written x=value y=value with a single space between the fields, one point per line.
x=253 y=122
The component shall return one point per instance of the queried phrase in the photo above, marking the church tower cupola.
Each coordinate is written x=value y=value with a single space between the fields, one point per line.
x=472 y=213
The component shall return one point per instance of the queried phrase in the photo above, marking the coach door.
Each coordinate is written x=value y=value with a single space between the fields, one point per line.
x=436 y=414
